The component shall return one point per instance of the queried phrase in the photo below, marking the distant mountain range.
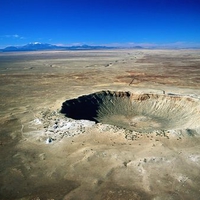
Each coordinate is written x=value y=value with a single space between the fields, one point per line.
x=43 y=46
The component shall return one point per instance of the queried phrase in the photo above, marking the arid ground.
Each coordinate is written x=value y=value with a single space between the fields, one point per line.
x=154 y=95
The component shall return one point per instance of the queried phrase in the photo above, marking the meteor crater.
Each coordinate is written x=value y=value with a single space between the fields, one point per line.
x=145 y=112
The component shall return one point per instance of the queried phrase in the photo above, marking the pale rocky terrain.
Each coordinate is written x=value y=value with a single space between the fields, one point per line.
x=103 y=125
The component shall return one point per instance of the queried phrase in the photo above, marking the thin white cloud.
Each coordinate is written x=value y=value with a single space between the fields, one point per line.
x=129 y=44
x=70 y=44
x=14 y=36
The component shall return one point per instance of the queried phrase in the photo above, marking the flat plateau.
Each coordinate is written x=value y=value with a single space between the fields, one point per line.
x=46 y=155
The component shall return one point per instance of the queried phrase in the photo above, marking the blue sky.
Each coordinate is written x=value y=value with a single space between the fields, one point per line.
x=100 y=22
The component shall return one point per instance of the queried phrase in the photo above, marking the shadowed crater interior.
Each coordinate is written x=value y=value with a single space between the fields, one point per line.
x=139 y=112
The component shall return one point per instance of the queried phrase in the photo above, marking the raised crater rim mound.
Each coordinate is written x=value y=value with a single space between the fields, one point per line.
x=144 y=112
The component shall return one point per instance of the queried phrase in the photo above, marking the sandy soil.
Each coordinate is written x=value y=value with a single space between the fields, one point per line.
x=45 y=155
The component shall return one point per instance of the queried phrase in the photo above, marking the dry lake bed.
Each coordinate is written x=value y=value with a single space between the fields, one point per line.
x=103 y=125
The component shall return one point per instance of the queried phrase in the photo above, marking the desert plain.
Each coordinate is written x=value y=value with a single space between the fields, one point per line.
x=144 y=145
